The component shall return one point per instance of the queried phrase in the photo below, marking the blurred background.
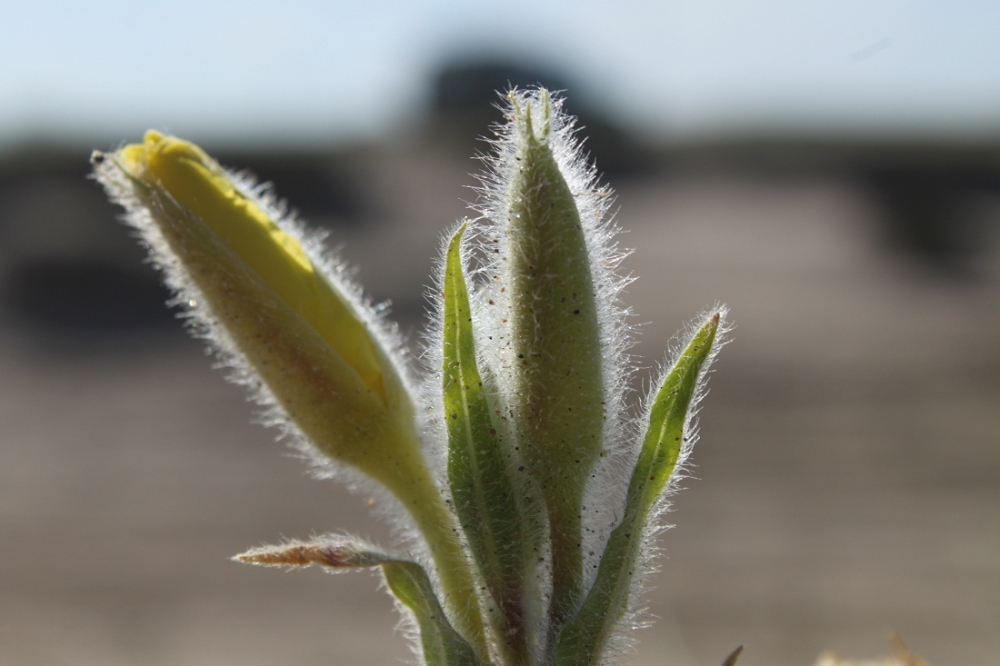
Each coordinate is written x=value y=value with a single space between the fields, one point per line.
x=829 y=170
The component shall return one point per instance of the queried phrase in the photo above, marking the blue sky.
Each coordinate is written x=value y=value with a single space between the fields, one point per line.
x=245 y=71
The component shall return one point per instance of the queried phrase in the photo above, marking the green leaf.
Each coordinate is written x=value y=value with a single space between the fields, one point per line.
x=478 y=467
x=408 y=582
x=442 y=645
x=558 y=395
x=583 y=639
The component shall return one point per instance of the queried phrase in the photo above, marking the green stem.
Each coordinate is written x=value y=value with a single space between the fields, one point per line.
x=437 y=524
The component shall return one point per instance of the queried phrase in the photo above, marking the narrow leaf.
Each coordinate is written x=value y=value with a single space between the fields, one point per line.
x=583 y=639
x=408 y=582
x=332 y=552
x=478 y=467
x=442 y=645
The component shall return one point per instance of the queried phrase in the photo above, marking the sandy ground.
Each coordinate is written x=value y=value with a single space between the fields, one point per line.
x=848 y=477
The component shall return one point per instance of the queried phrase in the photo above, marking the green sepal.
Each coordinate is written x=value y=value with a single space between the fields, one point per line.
x=407 y=580
x=479 y=466
x=583 y=639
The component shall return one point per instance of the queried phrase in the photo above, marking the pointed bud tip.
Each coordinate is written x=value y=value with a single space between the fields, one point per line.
x=523 y=114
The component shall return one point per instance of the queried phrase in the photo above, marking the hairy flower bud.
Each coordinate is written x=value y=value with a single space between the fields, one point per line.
x=259 y=293
x=297 y=333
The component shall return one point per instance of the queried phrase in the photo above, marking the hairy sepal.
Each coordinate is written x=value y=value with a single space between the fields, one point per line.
x=441 y=645
x=585 y=639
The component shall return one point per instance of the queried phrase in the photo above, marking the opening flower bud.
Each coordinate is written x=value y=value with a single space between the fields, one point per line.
x=197 y=183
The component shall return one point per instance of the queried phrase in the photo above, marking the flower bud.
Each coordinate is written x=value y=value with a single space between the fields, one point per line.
x=267 y=304
x=301 y=336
